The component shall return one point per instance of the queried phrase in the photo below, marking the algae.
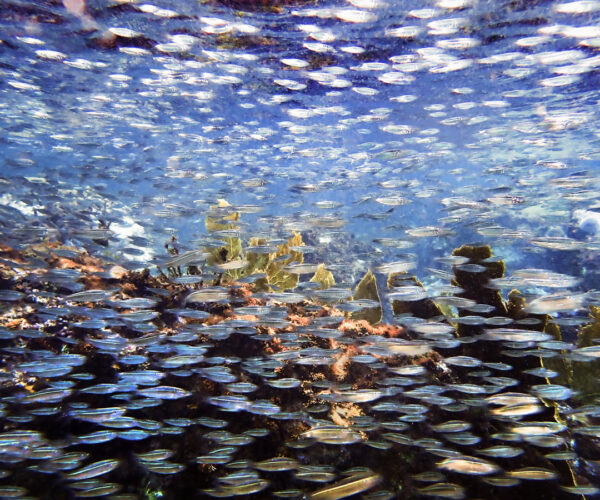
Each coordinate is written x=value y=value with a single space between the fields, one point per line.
x=473 y=283
x=367 y=289
x=323 y=277
x=244 y=264
x=277 y=278
x=216 y=222
x=425 y=308
x=590 y=333
x=232 y=249
x=515 y=306
x=586 y=373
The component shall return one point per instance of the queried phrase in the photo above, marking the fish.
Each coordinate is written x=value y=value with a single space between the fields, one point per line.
x=47 y=396
x=468 y=465
x=443 y=490
x=532 y=473
x=207 y=295
x=93 y=470
x=97 y=437
x=164 y=468
x=164 y=392
x=99 y=490
x=333 y=435
x=556 y=303
x=98 y=415
x=192 y=195
x=88 y=296
x=352 y=485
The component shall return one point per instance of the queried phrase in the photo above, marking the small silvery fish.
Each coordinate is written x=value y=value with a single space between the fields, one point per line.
x=333 y=435
x=164 y=392
x=155 y=455
x=98 y=415
x=532 y=473
x=89 y=296
x=277 y=464
x=47 y=396
x=97 y=437
x=207 y=295
x=93 y=470
x=352 y=485
x=165 y=467
x=191 y=257
x=99 y=490
x=468 y=465
x=400 y=266
x=11 y=295
x=558 y=302
x=451 y=491
x=12 y=491
x=137 y=303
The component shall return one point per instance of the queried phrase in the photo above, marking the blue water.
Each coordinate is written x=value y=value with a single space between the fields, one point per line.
x=152 y=127
x=384 y=133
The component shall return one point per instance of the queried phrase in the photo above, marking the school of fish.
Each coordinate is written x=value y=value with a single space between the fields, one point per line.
x=299 y=249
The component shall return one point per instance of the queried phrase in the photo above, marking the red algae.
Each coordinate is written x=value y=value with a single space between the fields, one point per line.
x=298 y=320
x=342 y=413
x=10 y=253
x=361 y=327
x=339 y=369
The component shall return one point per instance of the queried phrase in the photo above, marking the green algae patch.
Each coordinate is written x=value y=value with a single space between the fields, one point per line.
x=559 y=364
x=276 y=277
x=235 y=264
x=221 y=219
x=257 y=262
x=230 y=251
x=323 y=277
x=367 y=289
x=580 y=374
x=516 y=308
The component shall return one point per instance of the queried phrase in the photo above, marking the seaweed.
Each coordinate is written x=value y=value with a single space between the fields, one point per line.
x=220 y=221
x=590 y=333
x=425 y=308
x=475 y=283
x=586 y=372
x=323 y=277
x=235 y=264
x=367 y=289
x=276 y=277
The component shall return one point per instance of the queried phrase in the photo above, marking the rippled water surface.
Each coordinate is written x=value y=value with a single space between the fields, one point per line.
x=295 y=178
